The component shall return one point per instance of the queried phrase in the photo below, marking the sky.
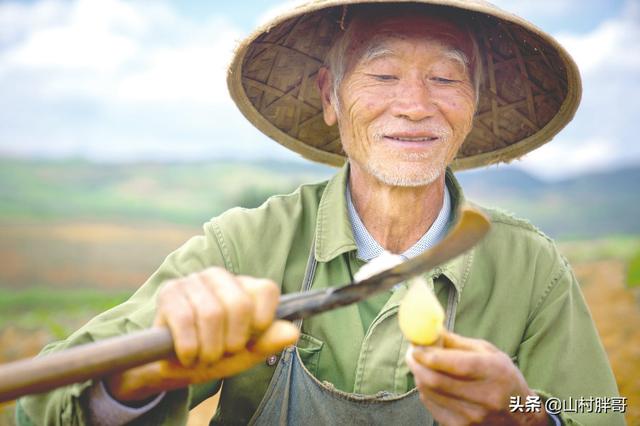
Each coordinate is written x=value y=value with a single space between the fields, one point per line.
x=116 y=80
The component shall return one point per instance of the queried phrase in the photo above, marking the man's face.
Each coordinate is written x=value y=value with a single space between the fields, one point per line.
x=406 y=102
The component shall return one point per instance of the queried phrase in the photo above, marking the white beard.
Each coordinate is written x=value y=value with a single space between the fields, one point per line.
x=400 y=174
x=398 y=177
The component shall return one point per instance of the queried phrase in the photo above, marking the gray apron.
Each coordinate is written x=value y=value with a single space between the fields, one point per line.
x=296 y=397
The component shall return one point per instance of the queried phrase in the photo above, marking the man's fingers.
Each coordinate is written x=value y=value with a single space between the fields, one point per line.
x=450 y=410
x=280 y=335
x=210 y=321
x=450 y=399
x=425 y=377
x=456 y=341
x=459 y=363
x=437 y=405
x=277 y=337
x=172 y=375
x=237 y=304
x=212 y=316
x=181 y=323
x=266 y=295
x=444 y=384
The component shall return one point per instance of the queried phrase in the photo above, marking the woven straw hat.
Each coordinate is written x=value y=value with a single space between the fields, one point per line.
x=530 y=88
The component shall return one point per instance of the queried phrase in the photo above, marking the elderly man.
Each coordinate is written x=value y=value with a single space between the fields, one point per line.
x=404 y=84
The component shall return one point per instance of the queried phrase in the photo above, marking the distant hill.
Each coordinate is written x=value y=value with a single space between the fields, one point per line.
x=588 y=206
x=182 y=193
x=500 y=183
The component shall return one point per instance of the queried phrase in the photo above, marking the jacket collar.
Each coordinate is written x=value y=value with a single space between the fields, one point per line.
x=334 y=235
x=333 y=229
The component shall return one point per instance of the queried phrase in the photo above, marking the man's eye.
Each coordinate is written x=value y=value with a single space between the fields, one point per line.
x=384 y=77
x=443 y=80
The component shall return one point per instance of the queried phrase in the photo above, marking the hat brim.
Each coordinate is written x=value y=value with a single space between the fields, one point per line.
x=530 y=90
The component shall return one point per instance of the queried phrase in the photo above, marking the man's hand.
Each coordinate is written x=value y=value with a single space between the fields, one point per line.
x=470 y=381
x=221 y=325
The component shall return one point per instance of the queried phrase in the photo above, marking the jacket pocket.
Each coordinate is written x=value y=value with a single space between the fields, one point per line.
x=309 y=349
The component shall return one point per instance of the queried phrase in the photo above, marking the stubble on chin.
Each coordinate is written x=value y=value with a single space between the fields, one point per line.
x=407 y=170
x=398 y=174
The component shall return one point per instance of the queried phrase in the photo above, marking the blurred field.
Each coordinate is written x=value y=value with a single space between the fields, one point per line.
x=82 y=254
x=185 y=194
x=617 y=317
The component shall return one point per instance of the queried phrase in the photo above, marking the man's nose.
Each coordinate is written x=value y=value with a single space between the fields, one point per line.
x=414 y=101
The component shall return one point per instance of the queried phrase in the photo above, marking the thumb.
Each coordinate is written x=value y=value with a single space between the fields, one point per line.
x=277 y=337
x=455 y=341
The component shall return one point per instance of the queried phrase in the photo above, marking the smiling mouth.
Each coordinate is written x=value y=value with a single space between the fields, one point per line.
x=412 y=139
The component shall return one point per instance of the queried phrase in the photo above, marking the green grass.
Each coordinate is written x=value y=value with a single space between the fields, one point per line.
x=59 y=311
x=624 y=248
x=633 y=271
x=177 y=193
x=613 y=247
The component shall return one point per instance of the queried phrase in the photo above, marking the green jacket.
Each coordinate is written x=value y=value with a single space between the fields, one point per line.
x=514 y=290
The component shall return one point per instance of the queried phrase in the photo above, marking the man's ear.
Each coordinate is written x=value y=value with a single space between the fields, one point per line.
x=325 y=84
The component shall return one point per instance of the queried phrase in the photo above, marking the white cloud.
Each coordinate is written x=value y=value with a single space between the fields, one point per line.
x=561 y=14
x=91 y=35
x=73 y=48
x=277 y=10
x=196 y=72
x=612 y=45
x=115 y=51
x=562 y=158
x=103 y=79
x=19 y=19
x=605 y=128
x=536 y=10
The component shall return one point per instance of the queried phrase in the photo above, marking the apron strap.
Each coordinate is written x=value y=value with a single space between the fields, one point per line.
x=452 y=306
x=309 y=273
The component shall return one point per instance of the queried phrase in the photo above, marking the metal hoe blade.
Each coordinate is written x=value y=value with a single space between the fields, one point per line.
x=467 y=231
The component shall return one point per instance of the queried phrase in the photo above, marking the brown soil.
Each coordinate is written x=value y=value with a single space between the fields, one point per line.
x=616 y=312
x=77 y=254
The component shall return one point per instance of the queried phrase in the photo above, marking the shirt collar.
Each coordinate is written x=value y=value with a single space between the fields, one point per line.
x=334 y=236
x=368 y=248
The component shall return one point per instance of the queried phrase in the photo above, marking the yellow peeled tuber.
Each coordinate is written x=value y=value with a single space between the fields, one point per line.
x=421 y=316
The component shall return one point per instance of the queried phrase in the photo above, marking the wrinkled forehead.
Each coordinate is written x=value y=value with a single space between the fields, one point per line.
x=371 y=29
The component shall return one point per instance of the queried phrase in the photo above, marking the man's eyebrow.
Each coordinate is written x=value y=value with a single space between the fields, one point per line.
x=375 y=51
x=457 y=55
